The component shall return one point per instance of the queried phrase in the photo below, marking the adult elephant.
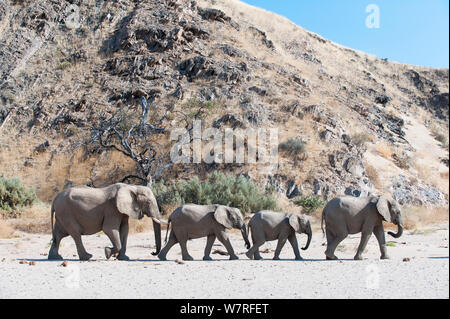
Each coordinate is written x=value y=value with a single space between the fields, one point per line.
x=85 y=211
x=365 y=215
x=195 y=221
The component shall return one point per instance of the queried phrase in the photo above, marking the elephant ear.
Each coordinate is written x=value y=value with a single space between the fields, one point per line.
x=294 y=221
x=383 y=207
x=221 y=216
x=126 y=202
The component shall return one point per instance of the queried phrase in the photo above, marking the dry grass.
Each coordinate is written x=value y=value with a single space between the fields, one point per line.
x=432 y=175
x=140 y=226
x=392 y=111
x=307 y=130
x=56 y=169
x=6 y=231
x=34 y=219
x=373 y=176
x=416 y=217
x=384 y=149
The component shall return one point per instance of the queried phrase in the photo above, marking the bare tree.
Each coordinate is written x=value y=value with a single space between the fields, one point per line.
x=132 y=142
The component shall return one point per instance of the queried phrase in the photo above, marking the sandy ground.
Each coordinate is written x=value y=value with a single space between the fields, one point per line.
x=423 y=274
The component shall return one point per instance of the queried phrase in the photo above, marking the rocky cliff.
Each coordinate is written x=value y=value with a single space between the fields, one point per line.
x=74 y=73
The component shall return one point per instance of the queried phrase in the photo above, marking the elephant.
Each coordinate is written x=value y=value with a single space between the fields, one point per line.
x=84 y=210
x=365 y=215
x=268 y=225
x=193 y=221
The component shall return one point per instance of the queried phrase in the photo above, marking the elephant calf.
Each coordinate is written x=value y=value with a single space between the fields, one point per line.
x=268 y=225
x=196 y=221
x=351 y=215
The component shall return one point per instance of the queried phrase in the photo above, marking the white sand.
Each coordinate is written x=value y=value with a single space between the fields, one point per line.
x=426 y=275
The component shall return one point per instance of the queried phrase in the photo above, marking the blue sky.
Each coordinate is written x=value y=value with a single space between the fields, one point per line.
x=410 y=31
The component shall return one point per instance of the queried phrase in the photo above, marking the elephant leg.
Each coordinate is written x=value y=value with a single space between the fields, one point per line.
x=58 y=234
x=257 y=254
x=378 y=231
x=258 y=241
x=280 y=245
x=82 y=253
x=172 y=241
x=114 y=237
x=330 y=236
x=209 y=244
x=184 y=251
x=254 y=250
x=294 y=244
x=331 y=245
x=124 y=228
x=330 y=239
x=365 y=235
x=223 y=238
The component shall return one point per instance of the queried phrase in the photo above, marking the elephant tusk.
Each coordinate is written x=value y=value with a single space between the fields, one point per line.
x=161 y=222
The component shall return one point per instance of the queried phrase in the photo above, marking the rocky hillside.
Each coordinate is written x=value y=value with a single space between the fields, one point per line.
x=74 y=74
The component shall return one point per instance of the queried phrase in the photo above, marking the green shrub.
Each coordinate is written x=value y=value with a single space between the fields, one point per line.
x=310 y=203
x=64 y=65
x=217 y=189
x=200 y=109
x=293 y=147
x=196 y=103
x=14 y=195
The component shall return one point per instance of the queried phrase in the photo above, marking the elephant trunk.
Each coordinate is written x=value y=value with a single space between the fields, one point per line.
x=399 y=231
x=245 y=236
x=157 y=230
x=309 y=232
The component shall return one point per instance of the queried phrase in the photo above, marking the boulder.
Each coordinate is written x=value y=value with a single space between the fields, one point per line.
x=382 y=99
x=355 y=167
x=292 y=190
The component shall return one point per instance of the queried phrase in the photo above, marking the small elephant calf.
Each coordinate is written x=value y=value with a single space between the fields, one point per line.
x=195 y=221
x=268 y=225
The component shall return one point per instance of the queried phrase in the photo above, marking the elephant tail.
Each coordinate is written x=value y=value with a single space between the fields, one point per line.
x=321 y=222
x=167 y=230
x=52 y=213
